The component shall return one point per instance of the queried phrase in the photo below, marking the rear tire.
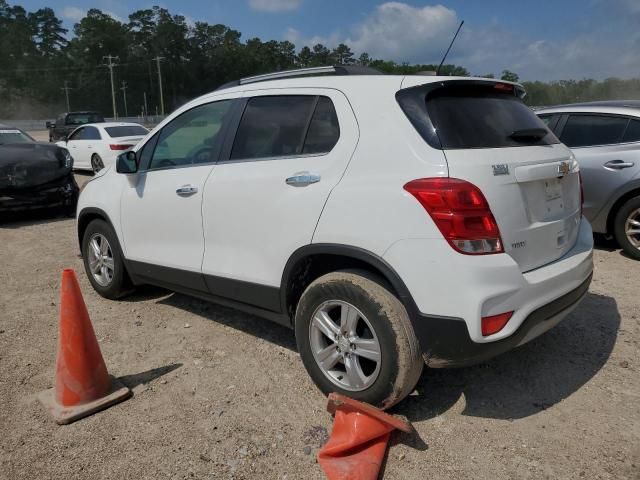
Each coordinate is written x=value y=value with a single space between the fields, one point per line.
x=96 y=163
x=332 y=352
x=104 y=262
x=627 y=222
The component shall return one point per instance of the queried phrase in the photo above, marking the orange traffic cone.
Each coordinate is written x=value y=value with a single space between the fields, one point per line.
x=358 y=440
x=82 y=384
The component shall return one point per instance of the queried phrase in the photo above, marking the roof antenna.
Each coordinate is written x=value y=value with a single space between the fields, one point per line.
x=450 y=45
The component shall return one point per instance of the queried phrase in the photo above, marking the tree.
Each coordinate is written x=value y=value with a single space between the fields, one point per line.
x=321 y=56
x=364 y=59
x=305 y=57
x=343 y=55
x=508 y=76
x=48 y=32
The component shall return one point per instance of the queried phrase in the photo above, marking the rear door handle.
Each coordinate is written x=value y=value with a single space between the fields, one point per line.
x=186 y=190
x=302 y=179
x=618 y=164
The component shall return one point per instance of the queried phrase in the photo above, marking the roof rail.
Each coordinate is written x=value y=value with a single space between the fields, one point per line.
x=305 y=72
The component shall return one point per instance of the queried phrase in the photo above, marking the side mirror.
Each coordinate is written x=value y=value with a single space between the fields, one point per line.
x=127 y=162
x=50 y=125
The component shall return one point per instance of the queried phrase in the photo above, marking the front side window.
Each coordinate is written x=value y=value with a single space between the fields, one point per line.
x=590 y=130
x=77 y=135
x=193 y=137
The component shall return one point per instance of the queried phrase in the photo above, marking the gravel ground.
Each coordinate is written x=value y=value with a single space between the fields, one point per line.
x=221 y=394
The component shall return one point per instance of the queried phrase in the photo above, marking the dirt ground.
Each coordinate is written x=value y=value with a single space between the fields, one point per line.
x=221 y=394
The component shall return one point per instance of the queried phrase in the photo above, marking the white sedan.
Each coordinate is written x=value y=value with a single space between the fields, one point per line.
x=95 y=146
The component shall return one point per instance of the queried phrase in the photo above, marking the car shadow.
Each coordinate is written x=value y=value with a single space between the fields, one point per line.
x=514 y=385
x=528 y=379
x=15 y=220
x=250 y=324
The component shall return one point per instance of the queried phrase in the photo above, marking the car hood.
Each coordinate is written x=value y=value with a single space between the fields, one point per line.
x=25 y=165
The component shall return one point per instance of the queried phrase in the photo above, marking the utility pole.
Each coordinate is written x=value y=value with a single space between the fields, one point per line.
x=110 y=64
x=66 y=89
x=124 y=94
x=146 y=112
x=157 y=59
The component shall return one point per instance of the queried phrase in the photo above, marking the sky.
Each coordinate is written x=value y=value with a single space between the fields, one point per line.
x=538 y=39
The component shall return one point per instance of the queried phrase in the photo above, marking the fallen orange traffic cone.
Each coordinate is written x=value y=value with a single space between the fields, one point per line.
x=82 y=384
x=358 y=440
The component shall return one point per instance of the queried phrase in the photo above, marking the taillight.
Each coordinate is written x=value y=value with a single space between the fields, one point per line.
x=494 y=323
x=120 y=147
x=461 y=212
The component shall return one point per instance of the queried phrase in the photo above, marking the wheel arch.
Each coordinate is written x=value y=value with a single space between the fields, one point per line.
x=312 y=261
x=86 y=216
x=613 y=211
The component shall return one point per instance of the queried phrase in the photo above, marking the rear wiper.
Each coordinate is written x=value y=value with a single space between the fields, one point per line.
x=526 y=133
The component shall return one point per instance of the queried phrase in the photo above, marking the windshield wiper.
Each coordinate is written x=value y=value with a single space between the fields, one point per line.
x=527 y=133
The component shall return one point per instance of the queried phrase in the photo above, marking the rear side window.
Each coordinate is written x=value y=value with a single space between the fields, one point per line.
x=284 y=126
x=127 y=131
x=481 y=117
x=590 y=130
x=90 y=133
x=633 y=132
x=324 y=129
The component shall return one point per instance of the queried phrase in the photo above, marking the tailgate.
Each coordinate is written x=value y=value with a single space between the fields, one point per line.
x=536 y=204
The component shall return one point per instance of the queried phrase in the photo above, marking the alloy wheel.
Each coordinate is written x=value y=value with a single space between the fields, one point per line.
x=100 y=256
x=344 y=345
x=632 y=228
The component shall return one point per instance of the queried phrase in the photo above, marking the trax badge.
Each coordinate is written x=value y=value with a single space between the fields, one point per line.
x=500 y=169
x=564 y=168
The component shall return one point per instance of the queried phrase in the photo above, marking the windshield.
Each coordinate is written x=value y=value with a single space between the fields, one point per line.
x=82 y=118
x=127 y=131
x=484 y=117
x=13 y=135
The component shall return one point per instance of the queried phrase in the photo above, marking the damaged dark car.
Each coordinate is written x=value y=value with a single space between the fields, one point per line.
x=34 y=175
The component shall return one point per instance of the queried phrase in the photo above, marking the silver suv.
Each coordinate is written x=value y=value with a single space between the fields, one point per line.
x=605 y=138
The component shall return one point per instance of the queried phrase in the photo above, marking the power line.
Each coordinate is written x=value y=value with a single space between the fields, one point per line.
x=157 y=59
x=110 y=65
x=66 y=89
x=124 y=94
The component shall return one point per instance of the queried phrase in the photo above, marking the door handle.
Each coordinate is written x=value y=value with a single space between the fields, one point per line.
x=186 y=190
x=618 y=165
x=302 y=179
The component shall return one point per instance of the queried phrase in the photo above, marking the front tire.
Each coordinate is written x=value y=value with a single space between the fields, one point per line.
x=626 y=227
x=355 y=338
x=104 y=261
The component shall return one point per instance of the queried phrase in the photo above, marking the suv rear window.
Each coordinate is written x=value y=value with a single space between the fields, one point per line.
x=127 y=131
x=482 y=117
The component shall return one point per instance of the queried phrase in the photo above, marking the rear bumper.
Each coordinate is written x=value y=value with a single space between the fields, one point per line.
x=62 y=192
x=452 y=293
x=446 y=341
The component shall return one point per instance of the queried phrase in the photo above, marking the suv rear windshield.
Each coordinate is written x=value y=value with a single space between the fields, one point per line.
x=128 y=131
x=472 y=114
x=13 y=135
x=482 y=117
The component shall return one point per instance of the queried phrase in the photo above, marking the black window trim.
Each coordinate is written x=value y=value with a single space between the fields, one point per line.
x=225 y=130
x=566 y=116
x=225 y=158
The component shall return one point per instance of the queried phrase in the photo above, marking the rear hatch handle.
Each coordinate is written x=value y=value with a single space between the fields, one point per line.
x=618 y=165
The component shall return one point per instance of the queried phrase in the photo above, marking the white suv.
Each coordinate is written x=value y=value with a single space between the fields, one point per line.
x=392 y=221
